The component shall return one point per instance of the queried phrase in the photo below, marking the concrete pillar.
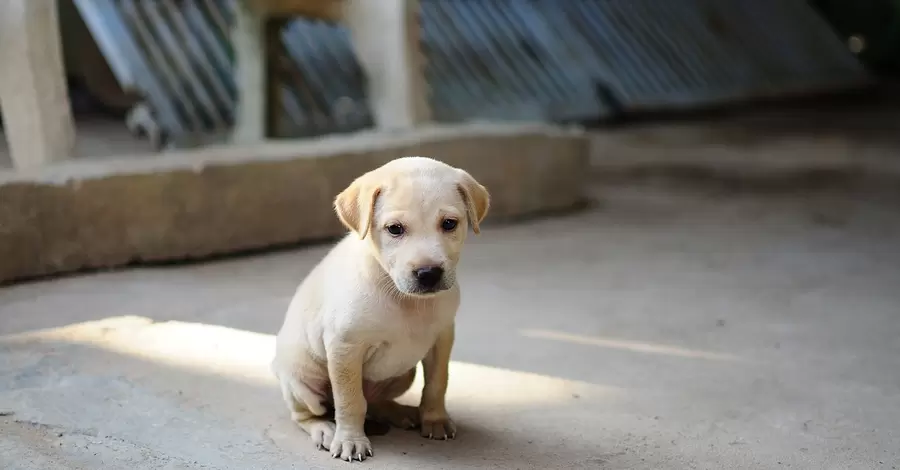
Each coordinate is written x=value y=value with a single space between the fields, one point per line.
x=34 y=97
x=249 y=41
x=385 y=36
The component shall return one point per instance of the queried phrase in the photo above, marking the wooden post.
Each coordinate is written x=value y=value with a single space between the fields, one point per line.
x=249 y=41
x=386 y=39
x=34 y=97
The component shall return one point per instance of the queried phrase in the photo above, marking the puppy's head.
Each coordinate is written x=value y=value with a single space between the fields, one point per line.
x=415 y=212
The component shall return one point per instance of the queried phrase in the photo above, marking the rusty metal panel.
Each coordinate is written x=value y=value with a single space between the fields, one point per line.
x=328 y=10
x=545 y=60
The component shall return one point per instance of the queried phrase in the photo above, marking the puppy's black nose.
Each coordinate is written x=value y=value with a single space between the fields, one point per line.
x=429 y=276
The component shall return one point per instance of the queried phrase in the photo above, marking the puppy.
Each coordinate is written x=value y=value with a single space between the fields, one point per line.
x=381 y=301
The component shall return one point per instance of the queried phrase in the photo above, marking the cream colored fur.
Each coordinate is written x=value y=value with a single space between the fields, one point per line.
x=361 y=321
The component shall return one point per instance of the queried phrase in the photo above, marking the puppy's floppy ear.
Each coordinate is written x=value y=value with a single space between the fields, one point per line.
x=355 y=206
x=476 y=197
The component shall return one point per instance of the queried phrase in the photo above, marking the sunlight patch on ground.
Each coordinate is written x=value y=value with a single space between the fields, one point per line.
x=246 y=356
x=628 y=345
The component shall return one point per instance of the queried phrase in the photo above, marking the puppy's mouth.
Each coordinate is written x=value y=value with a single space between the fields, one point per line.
x=415 y=289
x=421 y=291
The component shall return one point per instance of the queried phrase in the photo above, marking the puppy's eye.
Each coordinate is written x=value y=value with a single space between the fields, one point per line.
x=449 y=225
x=395 y=230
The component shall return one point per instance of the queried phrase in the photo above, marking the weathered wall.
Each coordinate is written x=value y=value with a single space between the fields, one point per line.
x=107 y=213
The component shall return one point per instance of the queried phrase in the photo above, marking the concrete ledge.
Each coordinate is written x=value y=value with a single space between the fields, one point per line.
x=617 y=156
x=850 y=137
x=108 y=213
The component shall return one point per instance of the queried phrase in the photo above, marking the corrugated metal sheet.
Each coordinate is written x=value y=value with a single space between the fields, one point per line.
x=178 y=55
x=547 y=59
x=503 y=59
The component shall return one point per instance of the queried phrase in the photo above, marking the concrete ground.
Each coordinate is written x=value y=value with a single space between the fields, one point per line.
x=665 y=328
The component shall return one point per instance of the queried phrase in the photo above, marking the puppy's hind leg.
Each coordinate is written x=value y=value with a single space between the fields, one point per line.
x=383 y=408
x=308 y=412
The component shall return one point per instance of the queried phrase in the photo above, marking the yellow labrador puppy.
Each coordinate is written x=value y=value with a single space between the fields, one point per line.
x=381 y=301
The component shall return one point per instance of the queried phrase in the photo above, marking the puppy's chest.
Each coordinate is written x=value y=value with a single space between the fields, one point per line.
x=399 y=350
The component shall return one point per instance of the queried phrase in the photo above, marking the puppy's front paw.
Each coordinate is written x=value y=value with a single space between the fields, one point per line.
x=437 y=426
x=350 y=445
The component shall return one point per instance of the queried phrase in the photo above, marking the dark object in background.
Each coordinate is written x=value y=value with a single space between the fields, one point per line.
x=94 y=89
x=615 y=108
x=871 y=29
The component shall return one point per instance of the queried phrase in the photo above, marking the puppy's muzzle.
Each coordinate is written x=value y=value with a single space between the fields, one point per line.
x=429 y=279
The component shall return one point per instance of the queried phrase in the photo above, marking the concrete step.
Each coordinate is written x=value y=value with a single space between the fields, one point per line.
x=108 y=213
